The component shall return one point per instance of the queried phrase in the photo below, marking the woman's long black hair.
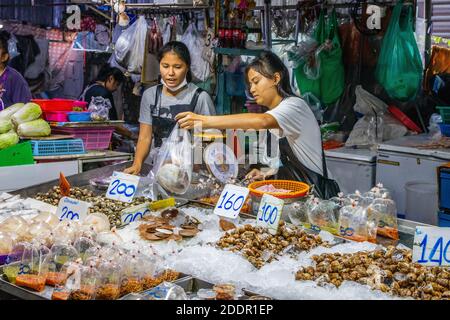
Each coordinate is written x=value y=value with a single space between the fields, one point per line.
x=267 y=64
x=4 y=38
x=181 y=50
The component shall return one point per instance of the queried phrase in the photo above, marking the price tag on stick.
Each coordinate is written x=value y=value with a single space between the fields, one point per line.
x=269 y=213
x=432 y=246
x=72 y=209
x=134 y=213
x=123 y=187
x=231 y=201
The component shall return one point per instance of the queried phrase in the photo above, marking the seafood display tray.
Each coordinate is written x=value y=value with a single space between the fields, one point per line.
x=191 y=285
x=25 y=294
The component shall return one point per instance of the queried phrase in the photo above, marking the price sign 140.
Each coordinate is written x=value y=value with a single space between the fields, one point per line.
x=123 y=187
x=72 y=209
x=269 y=213
x=431 y=246
x=231 y=201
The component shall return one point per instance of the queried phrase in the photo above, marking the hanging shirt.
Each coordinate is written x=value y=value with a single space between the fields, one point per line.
x=299 y=125
x=13 y=88
x=97 y=90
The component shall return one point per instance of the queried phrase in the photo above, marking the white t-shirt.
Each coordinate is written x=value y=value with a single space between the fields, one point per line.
x=299 y=126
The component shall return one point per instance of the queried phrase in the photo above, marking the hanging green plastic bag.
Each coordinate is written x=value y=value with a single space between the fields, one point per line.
x=328 y=84
x=332 y=80
x=399 y=69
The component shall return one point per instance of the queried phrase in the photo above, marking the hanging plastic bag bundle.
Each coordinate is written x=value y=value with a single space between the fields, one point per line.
x=194 y=41
x=399 y=69
x=173 y=167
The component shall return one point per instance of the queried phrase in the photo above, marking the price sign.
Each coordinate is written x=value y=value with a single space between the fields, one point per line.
x=231 y=201
x=134 y=213
x=123 y=187
x=432 y=246
x=269 y=213
x=72 y=209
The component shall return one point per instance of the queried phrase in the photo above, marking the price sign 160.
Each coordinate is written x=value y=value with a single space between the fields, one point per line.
x=269 y=213
x=231 y=201
x=123 y=187
x=431 y=246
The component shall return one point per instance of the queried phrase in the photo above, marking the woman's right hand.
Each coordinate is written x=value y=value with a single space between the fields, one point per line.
x=255 y=175
x=134 y=169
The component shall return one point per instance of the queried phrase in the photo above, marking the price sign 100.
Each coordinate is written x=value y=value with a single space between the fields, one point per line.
x=431 y=246
x=269 y=213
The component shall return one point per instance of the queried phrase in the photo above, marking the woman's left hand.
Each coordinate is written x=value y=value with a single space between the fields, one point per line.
x=187 y=120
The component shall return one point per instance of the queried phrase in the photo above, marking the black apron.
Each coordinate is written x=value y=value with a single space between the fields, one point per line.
x=162 y=126
x=293 y=169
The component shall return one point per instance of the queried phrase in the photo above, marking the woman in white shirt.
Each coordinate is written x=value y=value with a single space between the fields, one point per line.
x=301 y=151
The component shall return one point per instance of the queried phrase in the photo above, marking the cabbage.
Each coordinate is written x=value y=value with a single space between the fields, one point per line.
x=5 y=125
x=35 y=128
x=30 y=111
x=8 y=139
x=8 y=112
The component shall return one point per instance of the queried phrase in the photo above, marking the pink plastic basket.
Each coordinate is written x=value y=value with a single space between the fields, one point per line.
x=97 y=138
x=57 y=116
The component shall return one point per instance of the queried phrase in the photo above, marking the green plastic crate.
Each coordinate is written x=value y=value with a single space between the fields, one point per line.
x=19 y=154
x=445 y=114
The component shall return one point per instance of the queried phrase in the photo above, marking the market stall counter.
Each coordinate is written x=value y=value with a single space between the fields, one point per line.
x=188 y=239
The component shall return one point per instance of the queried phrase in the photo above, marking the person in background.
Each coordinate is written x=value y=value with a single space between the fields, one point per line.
x=161 y=103
x=13 y=87
x=107 y=81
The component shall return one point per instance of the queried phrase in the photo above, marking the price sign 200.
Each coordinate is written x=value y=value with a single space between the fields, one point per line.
x=68 y=214
x=131 y=217
x=122 y=188
x=431 y=246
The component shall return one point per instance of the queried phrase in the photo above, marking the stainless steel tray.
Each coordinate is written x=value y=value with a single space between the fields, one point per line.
x=191 y=285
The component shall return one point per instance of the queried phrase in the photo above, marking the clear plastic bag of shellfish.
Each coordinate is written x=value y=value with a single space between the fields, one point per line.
x=322 y=215
x=356 y=225
x=385 y=211
x=173 y=166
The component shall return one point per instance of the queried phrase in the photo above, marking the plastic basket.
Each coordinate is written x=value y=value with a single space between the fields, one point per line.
x=79 y=116
x=16 y=155
x=57 y=147
x=445 y=129
x=55 y=104
x=235 y=84
x=299 y=189
x=97 y=138
x=57 y=116
x=445 y=114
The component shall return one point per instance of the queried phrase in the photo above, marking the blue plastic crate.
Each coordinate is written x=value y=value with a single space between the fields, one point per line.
x=444 y=190
x=57 y=147
x=445 y=129
x=444 y=219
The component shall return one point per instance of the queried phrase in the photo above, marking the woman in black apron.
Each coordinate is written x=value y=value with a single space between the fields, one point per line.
x=162 y=103
x=301 y=151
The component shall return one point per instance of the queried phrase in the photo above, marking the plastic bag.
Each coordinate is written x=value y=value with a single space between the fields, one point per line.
x=195 y=42
x=89 y=281
x=321 y=215
x=385 y=211
x=399 y=69
x=354 y=223
x=173 y=167
x=99 y=108
x=109 y=283
x=132 y=275
x=125 y=43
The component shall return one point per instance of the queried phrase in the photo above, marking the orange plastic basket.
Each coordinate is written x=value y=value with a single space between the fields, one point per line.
x=299 y=189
